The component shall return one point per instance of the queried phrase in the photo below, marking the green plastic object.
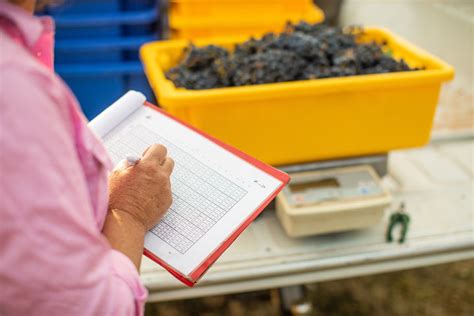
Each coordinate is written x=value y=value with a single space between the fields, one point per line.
x=398 y=218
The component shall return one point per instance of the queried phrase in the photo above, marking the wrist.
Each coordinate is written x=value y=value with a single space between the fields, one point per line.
x=125 y=218
x=125 y=234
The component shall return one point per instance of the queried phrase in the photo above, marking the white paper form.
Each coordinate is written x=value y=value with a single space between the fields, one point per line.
x=214 y=191
x=117 y=112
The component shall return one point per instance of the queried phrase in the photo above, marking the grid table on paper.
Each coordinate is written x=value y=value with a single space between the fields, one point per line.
x=201 y=195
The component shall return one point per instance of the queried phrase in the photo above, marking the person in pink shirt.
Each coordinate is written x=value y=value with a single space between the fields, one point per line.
x=71 y=230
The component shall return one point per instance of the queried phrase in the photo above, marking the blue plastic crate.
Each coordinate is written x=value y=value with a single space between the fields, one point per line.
x=102 y=25
x=99 y=50
x=97 y=86
x=132 y=5
x=140 y=83
x=85 y=6
x=101 y=6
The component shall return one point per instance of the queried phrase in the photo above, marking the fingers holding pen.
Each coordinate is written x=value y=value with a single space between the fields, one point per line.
x=168 y=165
x=144 y=189
x=155 y=153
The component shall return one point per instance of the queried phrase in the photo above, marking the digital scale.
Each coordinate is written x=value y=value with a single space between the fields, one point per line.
x=332 y=200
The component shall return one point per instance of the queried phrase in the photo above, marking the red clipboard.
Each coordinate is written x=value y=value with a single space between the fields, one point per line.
x=206 y=263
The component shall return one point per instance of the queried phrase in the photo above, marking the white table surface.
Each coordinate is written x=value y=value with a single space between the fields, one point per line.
x=437 y=185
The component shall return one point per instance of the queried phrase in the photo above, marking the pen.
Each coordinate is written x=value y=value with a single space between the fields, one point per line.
x=132 y=160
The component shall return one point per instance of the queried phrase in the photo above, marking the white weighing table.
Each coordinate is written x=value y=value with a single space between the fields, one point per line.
x=437 y=185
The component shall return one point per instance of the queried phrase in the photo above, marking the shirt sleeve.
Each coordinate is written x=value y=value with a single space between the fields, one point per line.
x=54 y=256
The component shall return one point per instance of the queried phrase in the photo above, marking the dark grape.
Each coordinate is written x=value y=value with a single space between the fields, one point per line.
x=303 y=51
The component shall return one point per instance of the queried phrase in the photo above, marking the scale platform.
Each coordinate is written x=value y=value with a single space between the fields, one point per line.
x=332 y=200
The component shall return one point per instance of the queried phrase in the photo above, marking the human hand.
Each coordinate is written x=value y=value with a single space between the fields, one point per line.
x=143 y=191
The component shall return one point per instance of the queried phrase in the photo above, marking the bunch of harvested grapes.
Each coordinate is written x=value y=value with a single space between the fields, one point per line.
x=304 y=51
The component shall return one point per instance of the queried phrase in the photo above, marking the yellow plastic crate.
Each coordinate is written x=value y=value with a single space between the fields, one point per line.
x=229 y=23
x=291 y=122
x=238 y=9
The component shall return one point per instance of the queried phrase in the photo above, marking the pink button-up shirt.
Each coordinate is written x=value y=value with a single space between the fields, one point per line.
x=54 y=259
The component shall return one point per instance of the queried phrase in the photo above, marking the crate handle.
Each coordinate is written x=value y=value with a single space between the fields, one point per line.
x=100 y=69
x=128 y=18
x=103 y=44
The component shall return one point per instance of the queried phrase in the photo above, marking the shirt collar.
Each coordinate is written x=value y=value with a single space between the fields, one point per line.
x=29 y=26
